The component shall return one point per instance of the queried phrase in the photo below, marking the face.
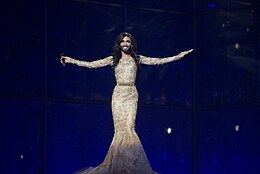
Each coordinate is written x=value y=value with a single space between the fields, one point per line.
x=125 y=44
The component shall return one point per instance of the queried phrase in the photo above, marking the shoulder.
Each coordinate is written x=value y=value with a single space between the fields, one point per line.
x=109 y=59
x=141 y=57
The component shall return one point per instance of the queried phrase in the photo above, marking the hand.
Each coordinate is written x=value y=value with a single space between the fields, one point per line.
x=182 y=54
x=64 y=59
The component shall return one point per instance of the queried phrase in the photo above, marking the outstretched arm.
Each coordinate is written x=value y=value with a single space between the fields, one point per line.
x=94 y=64
x=160 y=61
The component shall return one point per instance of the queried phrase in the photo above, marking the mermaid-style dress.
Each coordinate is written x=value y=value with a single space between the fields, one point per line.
x=126 y=154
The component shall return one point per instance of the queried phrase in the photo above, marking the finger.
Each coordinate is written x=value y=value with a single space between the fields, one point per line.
x=187 y=52
x=62 y=62
x=64 y=57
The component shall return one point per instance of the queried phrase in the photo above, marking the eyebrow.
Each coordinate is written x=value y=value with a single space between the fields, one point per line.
x=128 y=40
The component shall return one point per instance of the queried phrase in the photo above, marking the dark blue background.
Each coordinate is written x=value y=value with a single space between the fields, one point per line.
x=58 y=120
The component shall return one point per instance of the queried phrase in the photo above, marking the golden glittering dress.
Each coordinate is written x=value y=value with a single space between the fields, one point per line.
x=126 y=154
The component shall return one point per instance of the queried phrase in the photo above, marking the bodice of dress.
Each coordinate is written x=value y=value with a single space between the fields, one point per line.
x=125 y=72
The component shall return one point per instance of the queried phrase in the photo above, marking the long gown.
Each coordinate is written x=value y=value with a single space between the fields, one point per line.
x=126 y=154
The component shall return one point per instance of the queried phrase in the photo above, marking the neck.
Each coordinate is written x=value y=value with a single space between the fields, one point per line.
x=125 y=54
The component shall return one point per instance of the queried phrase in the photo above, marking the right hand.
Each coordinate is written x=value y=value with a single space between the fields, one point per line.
x=64 y=60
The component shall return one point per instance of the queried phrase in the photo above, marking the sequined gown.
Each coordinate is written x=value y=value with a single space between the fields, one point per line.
x=126 y=154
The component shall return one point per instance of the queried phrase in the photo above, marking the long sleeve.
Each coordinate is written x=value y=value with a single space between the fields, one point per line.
x=156 y=61
x=94 y=64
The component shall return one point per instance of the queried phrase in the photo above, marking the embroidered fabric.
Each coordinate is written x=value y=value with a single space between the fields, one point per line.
x=126 y=154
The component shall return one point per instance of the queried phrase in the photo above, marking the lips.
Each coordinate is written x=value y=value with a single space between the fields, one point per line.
x=125 y=47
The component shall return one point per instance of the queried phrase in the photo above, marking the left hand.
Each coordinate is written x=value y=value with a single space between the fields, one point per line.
x=182 y=54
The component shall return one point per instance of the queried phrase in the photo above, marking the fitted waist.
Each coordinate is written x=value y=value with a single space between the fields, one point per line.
x=126 y=84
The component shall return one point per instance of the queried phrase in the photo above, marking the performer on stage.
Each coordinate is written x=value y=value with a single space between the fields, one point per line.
x=126 y=154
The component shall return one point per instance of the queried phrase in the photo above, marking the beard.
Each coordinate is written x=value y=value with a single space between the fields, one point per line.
x=126 y=49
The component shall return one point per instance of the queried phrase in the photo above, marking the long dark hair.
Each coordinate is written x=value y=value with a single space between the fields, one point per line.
x=117 y=54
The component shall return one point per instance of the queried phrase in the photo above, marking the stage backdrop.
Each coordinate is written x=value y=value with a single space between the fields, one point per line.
x=196 y=116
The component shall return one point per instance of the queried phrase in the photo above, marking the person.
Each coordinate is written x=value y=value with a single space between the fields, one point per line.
x=126 y=154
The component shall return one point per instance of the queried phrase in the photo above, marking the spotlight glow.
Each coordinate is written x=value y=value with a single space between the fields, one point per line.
x=237 y=127
x=169 y=130
x=237 y=45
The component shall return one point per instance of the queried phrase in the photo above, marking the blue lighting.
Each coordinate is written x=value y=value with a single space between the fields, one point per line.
x=164 y=155
x=212 y=5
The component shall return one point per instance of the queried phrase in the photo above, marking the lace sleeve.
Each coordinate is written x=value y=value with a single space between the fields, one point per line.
x=94 y=64
x=156 y=61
